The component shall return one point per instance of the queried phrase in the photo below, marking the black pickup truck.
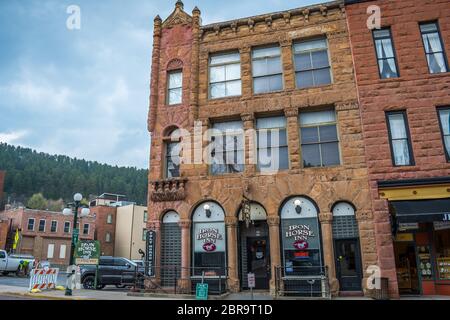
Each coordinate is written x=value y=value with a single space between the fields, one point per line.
x=117 y=271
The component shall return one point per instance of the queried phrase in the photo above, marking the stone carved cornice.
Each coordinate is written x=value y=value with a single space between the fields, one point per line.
x=247 y=117
x=175 y=64
x=168 y=190
x=325 y=217
x=348 y=105
x=178 y=17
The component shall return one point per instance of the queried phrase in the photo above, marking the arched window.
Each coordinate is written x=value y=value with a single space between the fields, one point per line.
x=209 y=240
x=170 y=248
x=344 y=221
x=300 y=235
x=173 y=149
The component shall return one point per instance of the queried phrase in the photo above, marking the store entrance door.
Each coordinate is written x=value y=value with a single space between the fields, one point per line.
x=406 y=267
x=348 y=264
x=258 y=261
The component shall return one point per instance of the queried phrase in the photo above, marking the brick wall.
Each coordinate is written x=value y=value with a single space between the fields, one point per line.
x=2 y=186
x=102 y=227
x=416 y=91
x=4 y=228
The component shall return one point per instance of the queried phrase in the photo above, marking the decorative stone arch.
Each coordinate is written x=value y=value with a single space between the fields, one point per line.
x=168 y=130
x=174 y=64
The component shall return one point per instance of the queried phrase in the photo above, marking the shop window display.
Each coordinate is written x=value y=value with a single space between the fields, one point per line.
x=442 y=246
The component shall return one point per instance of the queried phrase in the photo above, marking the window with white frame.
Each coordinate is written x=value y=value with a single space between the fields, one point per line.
x=225 y=75
x=434 y=49
x=267 y=69
x=399 y=138
x=173 y=157
x=30 y=225
x=227 y=148
x=175 y=87
x=312 y=65
x=42 y=225
x=108 y=237
x=54 y=226
x=66 y=227
x=384 y=47
x=145 y=216
x=109 y=219
x=444 y=117
x=319 y=138
x=86 y=228
x=272 y=144
x=50 y=250
x=62 y=251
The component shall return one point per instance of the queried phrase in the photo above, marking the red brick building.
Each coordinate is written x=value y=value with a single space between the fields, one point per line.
x=2 y=186
x=44 y=234
x=105 y=227
x=403 y=80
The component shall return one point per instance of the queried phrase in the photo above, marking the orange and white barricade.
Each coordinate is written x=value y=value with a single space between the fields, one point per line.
x=43 y=279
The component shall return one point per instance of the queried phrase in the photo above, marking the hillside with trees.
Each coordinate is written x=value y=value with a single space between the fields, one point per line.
x=56 y=177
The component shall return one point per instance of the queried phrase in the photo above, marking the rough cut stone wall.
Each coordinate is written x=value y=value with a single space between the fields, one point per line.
x=326 y=186
x=416 y=91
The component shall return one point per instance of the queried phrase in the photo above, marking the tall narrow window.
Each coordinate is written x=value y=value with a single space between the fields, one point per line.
x=399 y=138
x=108 y=237
x=50 y=250
x=387 y=64
x=66 y=227
x=42 y=225
x=319 y=139
x=272 y=144
x=175 y=87
x=109 y=219
x=224 y=75
x=54 y=226
x=227 y=148
x=62 y=251
x=173 y=148
x=31 y=224
x=312 y=66
x=432 y=42
x=267 y=70
x=145 y=216
x=86 y=228
x=444 y=117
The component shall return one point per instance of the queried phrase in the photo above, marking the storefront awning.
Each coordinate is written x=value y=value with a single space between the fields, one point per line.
x=420 y=210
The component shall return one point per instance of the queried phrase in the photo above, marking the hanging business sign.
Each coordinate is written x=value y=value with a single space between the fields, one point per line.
x=150 y=256
x=209 y=237
x=441 y=225
x=87 y=252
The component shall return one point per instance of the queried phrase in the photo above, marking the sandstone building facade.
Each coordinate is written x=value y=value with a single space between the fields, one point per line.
x=403 y=80
x=288 y=73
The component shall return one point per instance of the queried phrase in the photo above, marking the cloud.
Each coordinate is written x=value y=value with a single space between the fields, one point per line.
x=12 y=137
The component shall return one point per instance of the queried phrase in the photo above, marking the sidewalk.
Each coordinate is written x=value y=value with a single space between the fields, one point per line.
x=77 y=294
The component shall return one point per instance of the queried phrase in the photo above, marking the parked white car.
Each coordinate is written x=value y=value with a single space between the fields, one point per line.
x=10 y=263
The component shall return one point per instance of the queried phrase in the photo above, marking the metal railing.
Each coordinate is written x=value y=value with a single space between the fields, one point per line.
x=171 y=279
x=304 y=281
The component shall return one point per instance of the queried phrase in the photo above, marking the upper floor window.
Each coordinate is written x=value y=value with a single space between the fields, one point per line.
x=319 y=139
x=267 y=69
x=175 y=87
x=173 y=149
x=108 y=237
x=144 y=234
x=312 y=66
x=399 y=138
x=432 y=42
x=272 y=144
x=86 y=228
x=42 y=225
x=224 y=75
x=227 y=148
x=31 y=224
x=54 y=226
x=145 y=216
x=109 y=219
x=66 y=227
x=444 y=117
x=387 y=64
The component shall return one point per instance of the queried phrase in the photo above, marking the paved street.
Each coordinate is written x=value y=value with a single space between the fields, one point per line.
x=6 y=297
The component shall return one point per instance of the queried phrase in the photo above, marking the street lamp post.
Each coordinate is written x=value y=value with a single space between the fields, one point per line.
x=75 y=234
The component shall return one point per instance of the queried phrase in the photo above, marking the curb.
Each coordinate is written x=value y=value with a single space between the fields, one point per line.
x=41 y=296
x=174 y=296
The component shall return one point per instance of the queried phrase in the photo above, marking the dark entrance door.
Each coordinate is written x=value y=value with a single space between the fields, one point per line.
x=348 y=264
x=258 y=261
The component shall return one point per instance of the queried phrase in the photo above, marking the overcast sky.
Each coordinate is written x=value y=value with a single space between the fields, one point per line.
x=84 y=93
